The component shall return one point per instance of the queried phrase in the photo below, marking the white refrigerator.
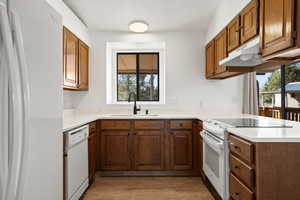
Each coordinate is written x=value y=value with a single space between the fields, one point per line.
x=31 y=101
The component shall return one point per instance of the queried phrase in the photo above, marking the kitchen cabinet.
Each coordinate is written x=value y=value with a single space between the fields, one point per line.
x=149 y=150
x=70 y=59
x=83 y=60
x=76 y=62
x=220 y=50
x=280 y=30
x=249 y=22
x=181 y=150
x=210 y=59
x=148 y=147
x=115 y=150
x=92 y=140
x=277 y=25
x=240 y=30
x=199 y=148
x=262 y=170
x=233 y=34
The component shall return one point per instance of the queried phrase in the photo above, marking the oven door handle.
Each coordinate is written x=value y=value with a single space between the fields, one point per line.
x=212 y=142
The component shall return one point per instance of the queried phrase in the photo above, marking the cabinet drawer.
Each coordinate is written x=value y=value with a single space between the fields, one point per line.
x=181 y=124
x=148 y=124
x=242 y=148
x=115 y=125
x=242 y=171
x=92 y=127
x=238 y=191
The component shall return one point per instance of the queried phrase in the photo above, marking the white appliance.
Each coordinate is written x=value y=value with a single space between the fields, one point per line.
x=31 y=147
x=215 y=157
x=245 y=56
x=76 y=162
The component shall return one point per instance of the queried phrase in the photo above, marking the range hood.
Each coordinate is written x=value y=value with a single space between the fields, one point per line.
x=247 y=55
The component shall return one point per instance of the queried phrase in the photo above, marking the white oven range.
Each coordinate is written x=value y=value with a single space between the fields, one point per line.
x=216 y=156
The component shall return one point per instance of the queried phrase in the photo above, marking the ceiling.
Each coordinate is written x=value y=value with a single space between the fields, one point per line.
x=161 y=15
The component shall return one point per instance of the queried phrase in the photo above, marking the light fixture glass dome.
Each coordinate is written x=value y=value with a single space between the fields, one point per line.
x=138 y=26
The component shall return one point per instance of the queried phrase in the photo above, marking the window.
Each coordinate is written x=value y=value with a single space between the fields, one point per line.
x=279 y=92
x=138 y=73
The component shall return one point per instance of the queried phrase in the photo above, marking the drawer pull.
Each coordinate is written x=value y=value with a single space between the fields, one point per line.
x=237 y=194
x=236 y=167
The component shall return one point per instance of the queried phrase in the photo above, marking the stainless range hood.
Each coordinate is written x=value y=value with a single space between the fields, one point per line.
x=247 y=55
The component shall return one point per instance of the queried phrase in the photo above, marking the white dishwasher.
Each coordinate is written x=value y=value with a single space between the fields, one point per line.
x=76 y=163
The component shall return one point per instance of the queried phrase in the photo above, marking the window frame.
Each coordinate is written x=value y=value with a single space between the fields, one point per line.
x=137 y=74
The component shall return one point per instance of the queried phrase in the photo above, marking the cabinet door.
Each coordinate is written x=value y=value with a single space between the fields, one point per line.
x=115 y=150
x=92 y=156
x=277 y=25
x=220 y=51
x=83 y=66
x=210 y=59
x=70 y=60
x=181 y=150
x=149 y=150
x=233 y=34
x=249 y=22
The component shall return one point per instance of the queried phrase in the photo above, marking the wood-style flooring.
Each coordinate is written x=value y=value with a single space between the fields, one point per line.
x=148 y=188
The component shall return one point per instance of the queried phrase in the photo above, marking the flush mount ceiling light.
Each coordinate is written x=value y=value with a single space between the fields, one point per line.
x=138 y=26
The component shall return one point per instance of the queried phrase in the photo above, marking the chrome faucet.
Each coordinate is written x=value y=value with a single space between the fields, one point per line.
x=135 y=109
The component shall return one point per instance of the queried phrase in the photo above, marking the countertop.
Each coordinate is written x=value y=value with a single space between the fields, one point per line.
x=77 y=119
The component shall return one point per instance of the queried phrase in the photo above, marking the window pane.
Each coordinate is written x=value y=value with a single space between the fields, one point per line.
x=127 y=63
x=148 y=63
x=126 y=85
x=292 y=95
x=269 y=88
x=270 y=93
x=292 y=87
x=148 y=90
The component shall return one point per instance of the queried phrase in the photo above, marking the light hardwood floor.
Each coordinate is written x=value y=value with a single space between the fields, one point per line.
x=148 y=188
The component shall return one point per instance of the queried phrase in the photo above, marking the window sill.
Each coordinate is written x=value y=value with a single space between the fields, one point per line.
x=138 y=102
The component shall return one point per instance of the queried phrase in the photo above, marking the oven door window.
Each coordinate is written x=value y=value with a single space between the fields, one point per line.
x=212 y=160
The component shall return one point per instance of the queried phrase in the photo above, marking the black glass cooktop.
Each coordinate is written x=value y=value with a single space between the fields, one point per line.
x=252 y=123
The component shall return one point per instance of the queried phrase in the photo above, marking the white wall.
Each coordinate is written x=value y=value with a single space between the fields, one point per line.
x=71 y=21
x=225 y=12
x=186 y=87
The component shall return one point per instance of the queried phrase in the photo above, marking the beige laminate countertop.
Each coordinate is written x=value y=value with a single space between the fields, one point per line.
x=251 y=134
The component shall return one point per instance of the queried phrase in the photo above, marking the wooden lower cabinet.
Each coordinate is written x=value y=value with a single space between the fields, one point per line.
x=155 y=146
x=272 y=174
x=149 y=150
x=181 y=153
x=92 y=140
x=115 y=150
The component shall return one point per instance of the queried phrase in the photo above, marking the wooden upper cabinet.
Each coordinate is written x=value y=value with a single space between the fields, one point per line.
x=83 y=66
x=220 y=50
x=276 y=25
x=149 y=150
x=210 y=59
x=181 y=150
x=70 y=60
x=249 y=22
x=76 y=62
x=233 y=34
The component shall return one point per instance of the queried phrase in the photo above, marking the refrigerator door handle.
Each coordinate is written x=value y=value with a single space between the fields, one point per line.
x=10 y=182
x=25 y=87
